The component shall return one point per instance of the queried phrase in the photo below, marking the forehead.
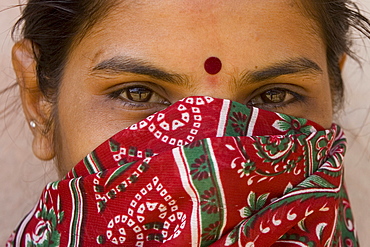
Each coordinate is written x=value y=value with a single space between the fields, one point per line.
x=213 y=12
x=233 y=29
x=188 y=14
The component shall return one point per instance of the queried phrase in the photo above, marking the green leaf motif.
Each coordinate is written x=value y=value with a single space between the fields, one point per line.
x=285 y=117
x=232 y=237
x=293 y=125
x=281 y=125
x=253 y=204
x=54 y=185
x=252 y=200
x=288 y=188
x=261 y=201
x=307 y=129
x=114 y=146
x=60 y=217
x=315 y=181
x=46 y=233
x=245 y=212
x=247 y=168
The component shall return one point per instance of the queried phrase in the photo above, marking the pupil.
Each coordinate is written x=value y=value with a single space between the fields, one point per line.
x=139 y=94
x=273 y=96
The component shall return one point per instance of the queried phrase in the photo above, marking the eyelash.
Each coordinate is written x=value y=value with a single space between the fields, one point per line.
x=296 y=98
x=132 y=104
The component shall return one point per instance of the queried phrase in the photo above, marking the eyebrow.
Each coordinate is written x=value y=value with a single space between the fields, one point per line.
x=125 y=64
x=291 y=66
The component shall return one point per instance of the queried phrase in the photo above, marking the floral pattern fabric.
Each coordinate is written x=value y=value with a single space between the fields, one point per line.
x=203 y=172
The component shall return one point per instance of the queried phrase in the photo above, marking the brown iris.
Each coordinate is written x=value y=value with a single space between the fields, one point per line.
x=139 y=94
x=273 y=96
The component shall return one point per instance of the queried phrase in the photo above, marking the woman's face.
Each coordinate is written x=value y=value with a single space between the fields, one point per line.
x=145 y=55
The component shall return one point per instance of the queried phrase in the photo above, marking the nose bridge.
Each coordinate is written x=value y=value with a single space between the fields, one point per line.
x=216 y=89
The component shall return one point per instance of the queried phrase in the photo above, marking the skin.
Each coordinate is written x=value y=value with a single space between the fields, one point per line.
x=176 y=37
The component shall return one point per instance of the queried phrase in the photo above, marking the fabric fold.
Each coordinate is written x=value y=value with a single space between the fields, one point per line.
x=203 y=172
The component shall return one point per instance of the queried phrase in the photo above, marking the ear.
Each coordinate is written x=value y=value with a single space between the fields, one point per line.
x=342 y=61
x=35 y=106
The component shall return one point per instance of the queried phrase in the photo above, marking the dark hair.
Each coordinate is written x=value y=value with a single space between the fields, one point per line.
x=337 y=20
x=53 y=27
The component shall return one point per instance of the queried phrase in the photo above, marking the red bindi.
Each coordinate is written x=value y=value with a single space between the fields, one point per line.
x=213 y=65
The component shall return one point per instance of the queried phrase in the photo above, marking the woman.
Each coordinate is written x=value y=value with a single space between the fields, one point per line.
x=90 y=69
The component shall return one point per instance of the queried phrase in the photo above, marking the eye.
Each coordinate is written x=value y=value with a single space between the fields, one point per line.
x=273 y=98
x=139 y=95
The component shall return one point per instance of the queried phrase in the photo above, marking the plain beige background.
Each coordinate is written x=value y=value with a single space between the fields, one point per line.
x=22 y=176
